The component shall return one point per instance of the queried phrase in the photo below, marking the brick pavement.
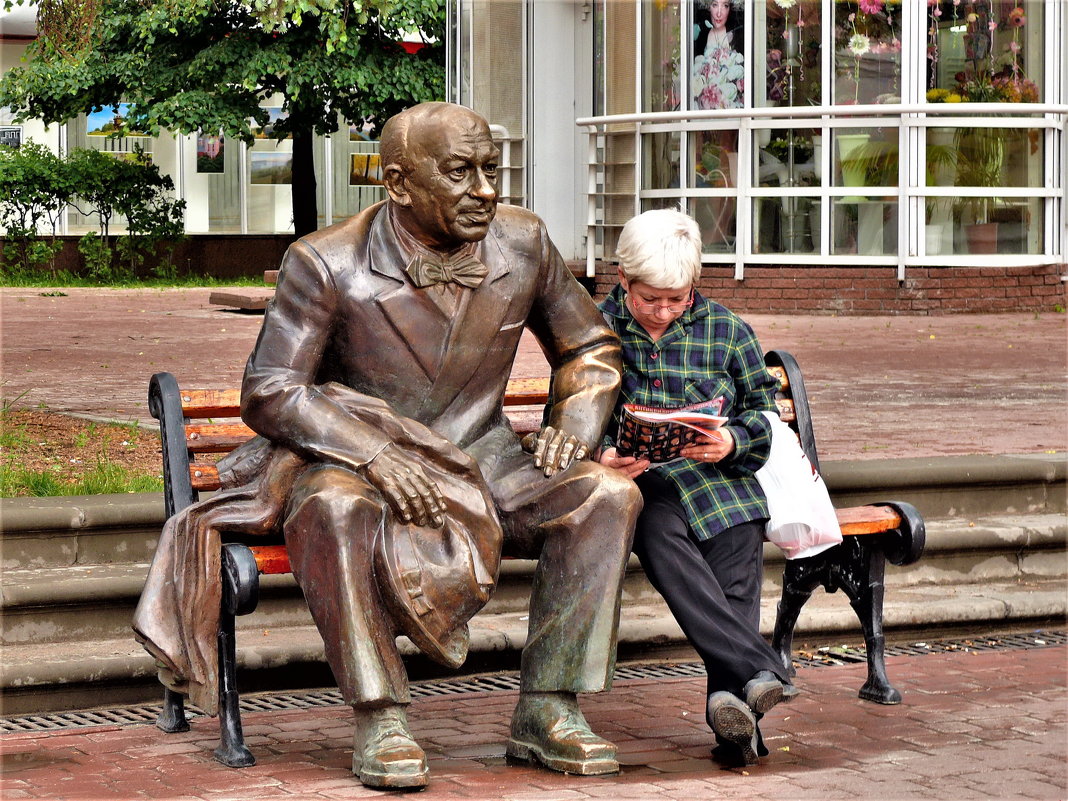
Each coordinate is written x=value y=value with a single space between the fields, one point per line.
x=880 y=386
x=973 y=725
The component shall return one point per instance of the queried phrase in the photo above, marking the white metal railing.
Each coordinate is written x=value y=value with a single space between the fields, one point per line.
x=911 y=188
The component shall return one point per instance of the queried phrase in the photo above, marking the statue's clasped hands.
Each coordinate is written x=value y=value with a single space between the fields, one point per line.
x=554 y=449
x=411 y=494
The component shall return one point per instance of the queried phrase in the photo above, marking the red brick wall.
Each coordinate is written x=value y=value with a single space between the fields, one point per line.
x=875 y=290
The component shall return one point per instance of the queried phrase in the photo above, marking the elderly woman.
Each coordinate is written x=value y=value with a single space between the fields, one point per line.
x=700 y=535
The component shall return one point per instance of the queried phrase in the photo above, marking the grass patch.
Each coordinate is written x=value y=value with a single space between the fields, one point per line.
x=64 y=278
x=105 y=478
x=43 y=453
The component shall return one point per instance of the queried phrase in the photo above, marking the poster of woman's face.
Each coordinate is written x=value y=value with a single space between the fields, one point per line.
x=717 y=78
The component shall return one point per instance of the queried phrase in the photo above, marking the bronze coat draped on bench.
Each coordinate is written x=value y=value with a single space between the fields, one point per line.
x=459 y=561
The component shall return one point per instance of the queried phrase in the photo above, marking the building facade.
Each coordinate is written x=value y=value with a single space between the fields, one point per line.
x=839 y=155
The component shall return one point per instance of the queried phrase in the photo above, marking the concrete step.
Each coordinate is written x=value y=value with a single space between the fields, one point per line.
x=123 y=529
x=74 y=568
x=96 y=602
x=42 y=677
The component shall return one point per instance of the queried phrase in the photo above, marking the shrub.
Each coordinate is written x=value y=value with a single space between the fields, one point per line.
x=36 y=186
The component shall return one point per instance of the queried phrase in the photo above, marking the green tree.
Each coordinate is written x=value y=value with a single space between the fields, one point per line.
x=207 y=65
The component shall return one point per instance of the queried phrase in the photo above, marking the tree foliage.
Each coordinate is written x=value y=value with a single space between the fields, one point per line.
x=208 y=65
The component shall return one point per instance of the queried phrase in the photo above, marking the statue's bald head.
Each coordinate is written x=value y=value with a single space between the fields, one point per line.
x=411 y=128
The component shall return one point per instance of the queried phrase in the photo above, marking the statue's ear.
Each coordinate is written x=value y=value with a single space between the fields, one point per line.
x=396 y=184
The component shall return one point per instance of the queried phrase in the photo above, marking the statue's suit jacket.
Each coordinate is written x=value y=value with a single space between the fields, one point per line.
x=345 y=312
x=346 y=323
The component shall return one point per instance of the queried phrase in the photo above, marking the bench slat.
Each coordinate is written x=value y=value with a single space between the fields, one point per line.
x=857 y=520
x=527 y=392
x=274 y=559
x=781 y=377
x=204 y=476
x=271 y=559
x=200 y=403
x=785 y=407
x=216 y=437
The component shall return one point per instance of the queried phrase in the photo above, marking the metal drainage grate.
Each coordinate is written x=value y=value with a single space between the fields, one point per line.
x=848 y=654
x=820 y=657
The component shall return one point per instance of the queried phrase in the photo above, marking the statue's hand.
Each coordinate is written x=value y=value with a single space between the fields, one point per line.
x=406 y=487
x=554 y=449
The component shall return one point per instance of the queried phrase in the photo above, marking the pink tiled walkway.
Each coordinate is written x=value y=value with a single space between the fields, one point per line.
x=973 y=726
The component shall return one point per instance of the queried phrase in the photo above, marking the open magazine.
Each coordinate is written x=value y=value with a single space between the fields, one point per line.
x=659 y=434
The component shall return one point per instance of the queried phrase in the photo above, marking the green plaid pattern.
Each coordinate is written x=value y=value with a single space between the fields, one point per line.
x=707 y=352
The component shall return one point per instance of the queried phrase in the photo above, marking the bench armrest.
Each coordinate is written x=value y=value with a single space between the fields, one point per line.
x=165 y=404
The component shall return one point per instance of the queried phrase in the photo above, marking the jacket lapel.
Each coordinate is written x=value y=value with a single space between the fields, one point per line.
x=419 y=322
x=477 y=323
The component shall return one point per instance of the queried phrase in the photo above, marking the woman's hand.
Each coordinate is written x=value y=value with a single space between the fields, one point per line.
x=710 y=449
x=630 y=466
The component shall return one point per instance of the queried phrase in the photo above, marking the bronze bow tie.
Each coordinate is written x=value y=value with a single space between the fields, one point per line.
x=463 y=269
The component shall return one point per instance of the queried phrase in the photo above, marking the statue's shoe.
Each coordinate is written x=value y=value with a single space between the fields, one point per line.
x=384 y=752
x=550 y=728
x=734 y=723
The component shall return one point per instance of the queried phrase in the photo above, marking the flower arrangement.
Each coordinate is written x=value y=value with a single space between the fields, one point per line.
x=718 y=80
x=993 y=77
x=869 y=28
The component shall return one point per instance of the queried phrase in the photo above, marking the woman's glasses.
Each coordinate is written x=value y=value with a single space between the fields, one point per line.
x=653 y=308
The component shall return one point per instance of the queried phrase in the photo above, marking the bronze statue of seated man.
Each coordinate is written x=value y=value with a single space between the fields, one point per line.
x=384 y=457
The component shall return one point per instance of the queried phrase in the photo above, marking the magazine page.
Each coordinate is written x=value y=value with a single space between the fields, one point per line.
x=659 y=434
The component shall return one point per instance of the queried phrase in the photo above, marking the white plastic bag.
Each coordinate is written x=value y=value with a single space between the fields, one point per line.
x=803 y=522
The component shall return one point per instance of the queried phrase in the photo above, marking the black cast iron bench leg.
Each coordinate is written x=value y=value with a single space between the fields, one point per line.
x=800 y=578
x=240 y=587
x=861 y=573
x=172 y=718
x=857 y=566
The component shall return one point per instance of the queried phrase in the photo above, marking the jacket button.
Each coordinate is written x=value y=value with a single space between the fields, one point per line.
x=656 y=382
x=652 y=355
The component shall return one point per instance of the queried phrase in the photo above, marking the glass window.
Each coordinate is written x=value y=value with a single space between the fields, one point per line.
x=212 y=184
x=269 y=168
x=788 y=157
x=104 y=131
x=867 y=52
x=717 y=72
x=983 y=226
x=984 y=51
x=616 y=39
x=357 y=171
x=866 y=156
x=662 y=56
x=790 y=50
x=864 y=226
x=786 y=225
x=660 y=160
x=983 y=157
x=715 y=167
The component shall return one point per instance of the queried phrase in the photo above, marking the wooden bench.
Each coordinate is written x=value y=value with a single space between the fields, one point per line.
x=200 y=423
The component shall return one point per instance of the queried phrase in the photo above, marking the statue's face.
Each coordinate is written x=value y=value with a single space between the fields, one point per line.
x=452 y=183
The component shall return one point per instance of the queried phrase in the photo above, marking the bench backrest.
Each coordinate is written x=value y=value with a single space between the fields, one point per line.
x=198 y=425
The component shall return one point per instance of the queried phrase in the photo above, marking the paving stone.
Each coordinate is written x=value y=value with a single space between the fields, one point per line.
x=1000 y=734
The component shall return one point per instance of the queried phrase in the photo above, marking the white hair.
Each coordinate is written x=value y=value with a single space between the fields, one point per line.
x=661 y=248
